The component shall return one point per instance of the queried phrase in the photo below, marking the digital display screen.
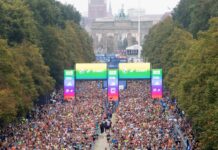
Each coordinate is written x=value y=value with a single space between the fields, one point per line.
x=134 y=70
x=91 y=71
x=122 y=83
x=156 y=73
x=69 y=85
x=156 y=83
x=113 y=85
x=157 y=92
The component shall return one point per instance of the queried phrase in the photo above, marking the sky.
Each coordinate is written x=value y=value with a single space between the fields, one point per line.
x=150 y=6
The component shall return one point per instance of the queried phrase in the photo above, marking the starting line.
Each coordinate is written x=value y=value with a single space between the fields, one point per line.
x=126 y=71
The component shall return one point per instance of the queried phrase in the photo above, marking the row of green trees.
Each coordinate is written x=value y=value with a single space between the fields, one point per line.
x=38 y=40
x=186 y=47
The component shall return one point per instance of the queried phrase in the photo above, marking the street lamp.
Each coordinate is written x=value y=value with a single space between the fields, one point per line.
x=139 y=30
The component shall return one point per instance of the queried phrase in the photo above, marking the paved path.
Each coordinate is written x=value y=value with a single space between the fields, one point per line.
x=114 y=118
x=101 y=143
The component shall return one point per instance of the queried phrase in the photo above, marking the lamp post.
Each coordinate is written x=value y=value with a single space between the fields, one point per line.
x=139 y=30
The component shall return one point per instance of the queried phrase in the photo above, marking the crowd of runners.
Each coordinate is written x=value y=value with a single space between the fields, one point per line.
x=141 y=122
x=60 y=125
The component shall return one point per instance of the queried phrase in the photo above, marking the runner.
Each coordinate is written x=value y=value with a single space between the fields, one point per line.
x=142 y=123
x=60 y=125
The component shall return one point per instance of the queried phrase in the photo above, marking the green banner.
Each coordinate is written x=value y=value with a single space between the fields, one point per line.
x=134 y=71
x=157 y=73
x=68 y=73
x=94 y=71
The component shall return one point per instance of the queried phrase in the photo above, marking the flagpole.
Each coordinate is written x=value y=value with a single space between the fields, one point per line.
x=139 y=31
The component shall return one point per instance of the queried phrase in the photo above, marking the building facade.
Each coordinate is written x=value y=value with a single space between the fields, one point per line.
x=96 y=9
x=111 y=33
x=117 y=33
x=99 y=9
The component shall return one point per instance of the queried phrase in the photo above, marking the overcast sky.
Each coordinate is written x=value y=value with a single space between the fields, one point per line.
x=151 y=6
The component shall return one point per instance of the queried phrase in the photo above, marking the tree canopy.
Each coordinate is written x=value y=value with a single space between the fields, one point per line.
x=38 y=40
x=190 y=73
x=194 y=15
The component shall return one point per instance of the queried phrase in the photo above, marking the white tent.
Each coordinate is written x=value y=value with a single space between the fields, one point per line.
x=134 y=47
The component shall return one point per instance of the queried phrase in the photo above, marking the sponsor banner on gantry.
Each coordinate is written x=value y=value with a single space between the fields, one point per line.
x=69 y=85
x=113 y=85
x=91 y=71
x=156 y=83
x=134 y=71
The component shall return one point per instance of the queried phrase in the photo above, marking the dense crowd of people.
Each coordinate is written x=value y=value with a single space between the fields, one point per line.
x=141 y=122
x=60 y=125
x=184 y=126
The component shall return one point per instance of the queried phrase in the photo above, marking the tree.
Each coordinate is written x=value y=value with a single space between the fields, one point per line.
x=16 y=22
x=200 y=84
x=62 y=48
x=190 y=73
x=44 y=37
x=21 y=80
x=51 y=12
x=195 y=14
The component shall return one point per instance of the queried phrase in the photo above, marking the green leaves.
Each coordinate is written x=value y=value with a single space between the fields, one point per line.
x=38 y=40
x=62 y=48
x=190 y=73
x=195 y=14
x=21 y=82
x=16 y=22
x=51 y=12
